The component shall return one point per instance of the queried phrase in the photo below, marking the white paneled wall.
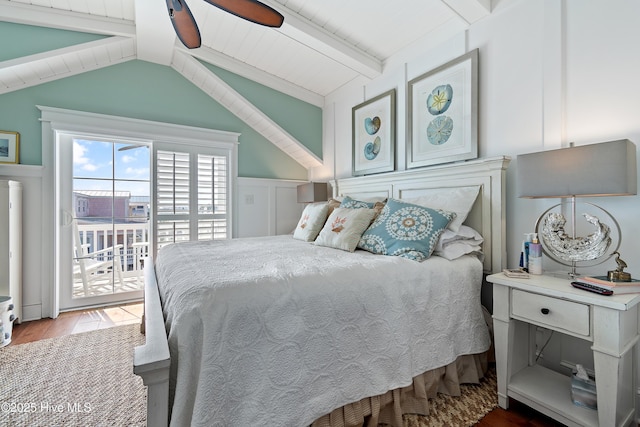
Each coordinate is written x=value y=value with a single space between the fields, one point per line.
x=11 y=244
x=266 y=207
x=33 y=245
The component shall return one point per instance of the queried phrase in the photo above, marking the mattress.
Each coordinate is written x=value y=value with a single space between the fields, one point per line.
x=276 y=331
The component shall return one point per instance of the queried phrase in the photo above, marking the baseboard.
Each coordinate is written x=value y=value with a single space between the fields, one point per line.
x=31 y=312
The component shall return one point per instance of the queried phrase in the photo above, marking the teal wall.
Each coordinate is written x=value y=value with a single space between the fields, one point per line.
x=143 y=90
x=29 y=40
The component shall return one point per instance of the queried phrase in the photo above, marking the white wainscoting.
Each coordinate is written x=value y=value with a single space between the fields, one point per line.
x=266 y=207
x=33 y=248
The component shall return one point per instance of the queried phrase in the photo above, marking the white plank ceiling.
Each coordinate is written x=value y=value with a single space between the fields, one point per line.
x=322 y=45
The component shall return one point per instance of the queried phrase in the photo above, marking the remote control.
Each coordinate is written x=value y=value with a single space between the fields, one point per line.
x=591 y=288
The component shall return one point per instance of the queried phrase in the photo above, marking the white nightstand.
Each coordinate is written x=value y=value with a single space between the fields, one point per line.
x=610 y=323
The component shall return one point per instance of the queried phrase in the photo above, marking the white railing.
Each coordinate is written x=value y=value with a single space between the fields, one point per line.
x=134 y=238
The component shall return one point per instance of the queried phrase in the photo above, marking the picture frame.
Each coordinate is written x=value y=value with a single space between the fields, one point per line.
x=374 y=135
x=9 y=147
x=442 y=107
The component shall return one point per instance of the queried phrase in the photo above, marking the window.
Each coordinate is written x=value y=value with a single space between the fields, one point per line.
x=192 y=194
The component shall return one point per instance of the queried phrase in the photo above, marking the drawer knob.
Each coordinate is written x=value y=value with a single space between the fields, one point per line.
x=544 y=311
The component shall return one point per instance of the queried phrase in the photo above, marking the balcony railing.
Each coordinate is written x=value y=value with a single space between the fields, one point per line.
x=126 y=244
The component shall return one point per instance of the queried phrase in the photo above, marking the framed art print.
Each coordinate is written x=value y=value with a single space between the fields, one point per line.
x=374 y=134
x=443 y=113
x=9 y=147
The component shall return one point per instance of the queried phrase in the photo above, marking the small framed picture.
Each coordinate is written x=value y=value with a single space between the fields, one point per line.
x=9 y=147
x=443 y=113
x=374 y=135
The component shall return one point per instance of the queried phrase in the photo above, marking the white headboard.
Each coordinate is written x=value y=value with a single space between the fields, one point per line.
x=487 y=215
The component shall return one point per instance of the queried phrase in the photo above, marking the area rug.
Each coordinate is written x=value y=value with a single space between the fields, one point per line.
x=83 y=379
x=475 y=401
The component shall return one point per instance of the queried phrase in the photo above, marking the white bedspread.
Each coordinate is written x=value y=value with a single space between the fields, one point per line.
x=278 y=332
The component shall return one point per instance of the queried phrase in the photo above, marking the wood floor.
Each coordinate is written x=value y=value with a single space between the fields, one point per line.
x=73 y=322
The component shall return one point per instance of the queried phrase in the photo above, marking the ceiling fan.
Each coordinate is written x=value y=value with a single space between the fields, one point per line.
x=251 y=10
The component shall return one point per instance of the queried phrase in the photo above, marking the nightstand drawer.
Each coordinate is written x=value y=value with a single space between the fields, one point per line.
x=551 y=312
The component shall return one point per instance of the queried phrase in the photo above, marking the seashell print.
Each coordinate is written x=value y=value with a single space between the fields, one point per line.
x=376 y=145
x=338 y=224
x=439 y=99
x=372 y=125
x=439 y=130
x=372 y=149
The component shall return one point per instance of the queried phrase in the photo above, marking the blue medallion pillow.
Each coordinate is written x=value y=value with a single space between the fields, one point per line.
x=350 y=203
x=406 y=230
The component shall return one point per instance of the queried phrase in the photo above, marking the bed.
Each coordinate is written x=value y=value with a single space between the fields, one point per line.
x=305 y=334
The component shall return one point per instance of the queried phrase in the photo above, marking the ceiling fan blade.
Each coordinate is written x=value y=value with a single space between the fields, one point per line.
x=184 y=23
x=251 y=10
x=132 y=146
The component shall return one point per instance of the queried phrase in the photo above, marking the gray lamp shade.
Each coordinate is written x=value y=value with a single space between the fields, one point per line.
x=603 y=169
x=312 y=192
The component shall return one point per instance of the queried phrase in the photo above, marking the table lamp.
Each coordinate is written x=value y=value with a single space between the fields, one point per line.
x=312 y=192
x=595 y=170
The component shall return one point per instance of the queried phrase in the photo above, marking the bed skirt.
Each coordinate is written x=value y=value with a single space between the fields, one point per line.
x=389 y=408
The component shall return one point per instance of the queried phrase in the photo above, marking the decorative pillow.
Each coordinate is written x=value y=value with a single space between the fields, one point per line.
x=459 y=200
x=363 y=199
x=348 y=202
x=406 y=230
x=333 y=203
x=344 y=227
x=311 y=221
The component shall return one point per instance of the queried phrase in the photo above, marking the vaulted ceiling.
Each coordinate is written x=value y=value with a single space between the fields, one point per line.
x=322 y=45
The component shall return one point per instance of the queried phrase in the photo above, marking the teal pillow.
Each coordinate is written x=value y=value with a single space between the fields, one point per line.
x=406 y=230
x=350 y=203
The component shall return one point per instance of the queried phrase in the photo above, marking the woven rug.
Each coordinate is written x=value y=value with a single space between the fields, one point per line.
x=76 y=380
x=475 y=401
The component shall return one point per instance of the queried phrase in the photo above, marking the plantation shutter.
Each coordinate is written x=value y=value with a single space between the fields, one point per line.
x=212 y=197
x=172 y=197
x=192 y=195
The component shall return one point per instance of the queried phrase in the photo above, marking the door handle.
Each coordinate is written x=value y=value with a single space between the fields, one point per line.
x=66 y=218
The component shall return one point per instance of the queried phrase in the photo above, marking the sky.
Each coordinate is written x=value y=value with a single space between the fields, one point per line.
x=96 y=163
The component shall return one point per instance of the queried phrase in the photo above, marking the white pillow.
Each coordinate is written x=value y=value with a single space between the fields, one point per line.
x=458 y=199
x=464 y=234
x=465 y=241
x=344 y=227
x=458 y=249
x=311 y=221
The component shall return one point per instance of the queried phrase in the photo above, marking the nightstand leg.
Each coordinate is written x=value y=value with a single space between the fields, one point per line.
x=615 y=336
x=501 y=332
x=502 y=335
